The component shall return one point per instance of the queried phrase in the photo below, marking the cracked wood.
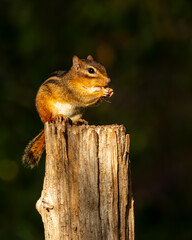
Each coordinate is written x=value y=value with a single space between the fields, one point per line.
x=87 y=186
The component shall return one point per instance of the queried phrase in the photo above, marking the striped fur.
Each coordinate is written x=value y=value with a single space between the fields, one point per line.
x=34 y=150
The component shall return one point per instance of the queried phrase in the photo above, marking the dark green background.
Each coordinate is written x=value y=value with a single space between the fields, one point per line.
x=146 y=47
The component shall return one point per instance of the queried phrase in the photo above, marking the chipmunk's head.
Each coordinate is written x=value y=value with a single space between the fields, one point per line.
x=90 y=73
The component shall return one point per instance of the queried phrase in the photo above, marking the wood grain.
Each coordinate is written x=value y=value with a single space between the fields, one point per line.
x=87 y=186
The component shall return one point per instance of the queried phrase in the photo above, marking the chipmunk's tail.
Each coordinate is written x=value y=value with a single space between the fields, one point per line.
x=34 y=150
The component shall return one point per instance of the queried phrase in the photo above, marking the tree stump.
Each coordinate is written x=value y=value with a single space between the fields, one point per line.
x=87 y=186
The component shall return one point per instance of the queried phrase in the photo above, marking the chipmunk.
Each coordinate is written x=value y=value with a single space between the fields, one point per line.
x=65 y=95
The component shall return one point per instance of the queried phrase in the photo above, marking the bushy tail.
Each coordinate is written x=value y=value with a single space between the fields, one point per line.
x=34 y=150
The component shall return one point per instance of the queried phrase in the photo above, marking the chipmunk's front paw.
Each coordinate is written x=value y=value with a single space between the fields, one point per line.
x=108 y=92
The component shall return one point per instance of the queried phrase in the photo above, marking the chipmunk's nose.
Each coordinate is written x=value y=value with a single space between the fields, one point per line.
x=108 y=80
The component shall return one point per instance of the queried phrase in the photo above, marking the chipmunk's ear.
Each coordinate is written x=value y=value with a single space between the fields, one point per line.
x=90 y=58
x=76 y=62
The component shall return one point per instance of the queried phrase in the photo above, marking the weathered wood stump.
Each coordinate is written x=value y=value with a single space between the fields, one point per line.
x=87 y=187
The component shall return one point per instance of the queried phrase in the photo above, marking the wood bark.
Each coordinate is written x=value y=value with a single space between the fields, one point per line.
x=87 y=186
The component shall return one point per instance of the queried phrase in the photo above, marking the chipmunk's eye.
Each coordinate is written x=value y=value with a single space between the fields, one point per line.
x=91 y=70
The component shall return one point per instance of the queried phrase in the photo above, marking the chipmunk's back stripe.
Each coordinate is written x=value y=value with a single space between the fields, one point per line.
x=57 y=74
x=54 y=81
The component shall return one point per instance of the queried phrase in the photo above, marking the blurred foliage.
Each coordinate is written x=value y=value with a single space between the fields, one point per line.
x=146 y=47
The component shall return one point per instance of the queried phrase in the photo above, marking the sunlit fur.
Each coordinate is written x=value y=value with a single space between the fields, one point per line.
x=67 y=94
x=34 y=150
